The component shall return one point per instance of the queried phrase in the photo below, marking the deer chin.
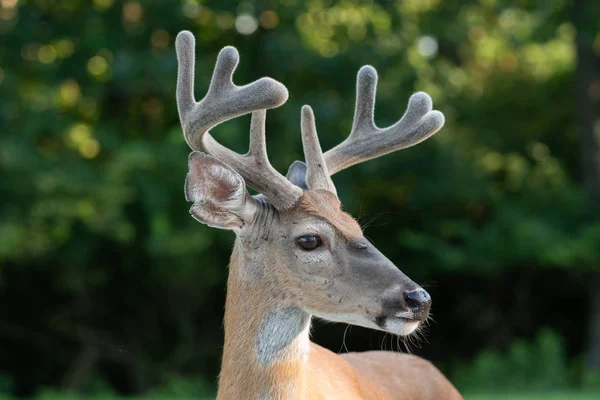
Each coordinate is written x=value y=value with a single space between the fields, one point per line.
x=352 y=319
x=391 y=324
x=399 y=326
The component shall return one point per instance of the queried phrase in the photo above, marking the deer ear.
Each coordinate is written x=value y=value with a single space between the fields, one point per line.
x=220 y=197
x=297 y=174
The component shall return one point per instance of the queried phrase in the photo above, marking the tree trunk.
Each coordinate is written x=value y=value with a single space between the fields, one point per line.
x=585 y=17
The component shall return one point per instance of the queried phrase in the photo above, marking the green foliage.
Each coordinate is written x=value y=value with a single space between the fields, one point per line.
x=179 y=388
x=540 y=365
x=174 y=388
x=100 y=261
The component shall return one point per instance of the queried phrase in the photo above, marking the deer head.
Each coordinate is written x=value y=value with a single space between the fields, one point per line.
x=294 y=236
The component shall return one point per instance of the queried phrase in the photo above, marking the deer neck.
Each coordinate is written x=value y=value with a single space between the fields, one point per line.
x=266 y=340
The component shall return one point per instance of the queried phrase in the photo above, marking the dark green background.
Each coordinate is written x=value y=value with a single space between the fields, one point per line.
x=108 y=285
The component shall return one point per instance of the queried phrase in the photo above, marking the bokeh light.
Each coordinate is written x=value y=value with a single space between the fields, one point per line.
x=246 y=24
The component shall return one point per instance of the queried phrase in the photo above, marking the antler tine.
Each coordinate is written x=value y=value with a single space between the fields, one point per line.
x=366 y=141
x=255 y=167
x=186 y=56
x=317 y=175
x=223 y=101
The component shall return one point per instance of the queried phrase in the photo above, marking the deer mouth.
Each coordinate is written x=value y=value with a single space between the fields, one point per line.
x=410 y=316
x=398 y=325
x=402 y=323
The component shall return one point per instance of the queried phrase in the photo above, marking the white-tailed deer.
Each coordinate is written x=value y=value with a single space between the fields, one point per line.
x=297 y=254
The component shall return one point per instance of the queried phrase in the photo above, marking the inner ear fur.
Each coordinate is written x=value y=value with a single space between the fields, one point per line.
x=220 y=197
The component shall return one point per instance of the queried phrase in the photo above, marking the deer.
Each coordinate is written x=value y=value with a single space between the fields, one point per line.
x=297 y=255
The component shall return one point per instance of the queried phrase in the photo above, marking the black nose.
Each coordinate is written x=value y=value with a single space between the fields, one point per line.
x=418 y=301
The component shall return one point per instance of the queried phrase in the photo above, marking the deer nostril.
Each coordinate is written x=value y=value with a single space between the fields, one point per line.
x=418 y=301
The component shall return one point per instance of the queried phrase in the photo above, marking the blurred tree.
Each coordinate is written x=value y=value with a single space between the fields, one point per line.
x=104 y=273
x=587 y=89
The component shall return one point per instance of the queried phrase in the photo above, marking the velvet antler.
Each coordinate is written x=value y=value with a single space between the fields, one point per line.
x=366 y=141
x=224 y=101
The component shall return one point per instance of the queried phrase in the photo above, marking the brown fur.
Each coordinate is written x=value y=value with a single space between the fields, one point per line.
x=275 y=285
x=325 y=205
x=321 y=374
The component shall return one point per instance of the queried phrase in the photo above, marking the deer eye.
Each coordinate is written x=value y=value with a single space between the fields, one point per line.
x=309 y=242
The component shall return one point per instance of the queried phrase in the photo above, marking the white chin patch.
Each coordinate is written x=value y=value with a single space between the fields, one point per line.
x=396 y=325
x=400 y=326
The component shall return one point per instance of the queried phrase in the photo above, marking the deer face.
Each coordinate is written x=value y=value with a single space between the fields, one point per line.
x=309 y=253
x=333 y=272
x=313 y=256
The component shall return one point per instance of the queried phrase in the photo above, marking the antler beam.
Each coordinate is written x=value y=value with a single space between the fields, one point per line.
x=366 y=141
x=223 y=101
